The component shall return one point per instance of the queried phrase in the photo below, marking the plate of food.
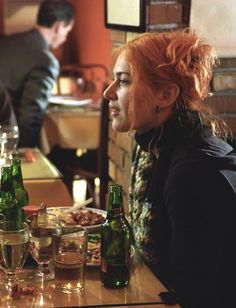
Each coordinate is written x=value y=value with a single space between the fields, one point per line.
x=94 y=250
x=89 y=218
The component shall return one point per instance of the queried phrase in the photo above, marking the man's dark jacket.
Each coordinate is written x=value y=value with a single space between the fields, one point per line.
x=28 y=71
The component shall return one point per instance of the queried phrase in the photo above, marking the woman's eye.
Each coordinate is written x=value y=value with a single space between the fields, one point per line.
x=124 y=81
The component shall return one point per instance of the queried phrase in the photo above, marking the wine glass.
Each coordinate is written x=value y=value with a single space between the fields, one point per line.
x=44 y=228
x=14 y=248
x=3 y=141
x=9 y=135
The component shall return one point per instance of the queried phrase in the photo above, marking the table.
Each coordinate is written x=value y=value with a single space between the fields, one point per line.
x=52 y=192
x=41 y=168
x=70 y=128
x=143 y=290
x=43 y=181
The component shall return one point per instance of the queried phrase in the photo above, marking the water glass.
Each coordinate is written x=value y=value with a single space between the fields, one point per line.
x=14 y=248
x=9 y=137
x=3 y=140
x=2 y=220
x=69 y=260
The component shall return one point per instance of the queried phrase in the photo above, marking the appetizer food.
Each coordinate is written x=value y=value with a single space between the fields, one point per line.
x=19 y=290
x=94 y=249
x=82 y=217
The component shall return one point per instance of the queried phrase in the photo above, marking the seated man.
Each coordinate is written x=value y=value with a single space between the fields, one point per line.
x=29 y=69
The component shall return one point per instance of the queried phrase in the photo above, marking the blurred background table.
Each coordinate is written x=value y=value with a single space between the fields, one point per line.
x=43 y=181
x=71 y=126
x=39 y=168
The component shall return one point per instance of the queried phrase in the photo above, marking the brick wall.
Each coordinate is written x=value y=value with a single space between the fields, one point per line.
x=223 y=99
x=120 y=148
x=161 y=16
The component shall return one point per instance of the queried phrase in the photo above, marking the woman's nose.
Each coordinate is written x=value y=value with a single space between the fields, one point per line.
x=109 y=93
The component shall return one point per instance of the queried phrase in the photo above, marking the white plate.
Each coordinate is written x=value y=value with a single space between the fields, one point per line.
x=57 y=211
x=69 y=101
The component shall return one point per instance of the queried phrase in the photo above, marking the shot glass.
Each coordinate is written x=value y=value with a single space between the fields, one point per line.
x=69 y=260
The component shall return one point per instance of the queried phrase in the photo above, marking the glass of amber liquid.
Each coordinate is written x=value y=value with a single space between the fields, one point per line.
x=69 y=260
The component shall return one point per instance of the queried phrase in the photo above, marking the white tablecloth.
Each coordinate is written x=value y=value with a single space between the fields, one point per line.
x=70 y=129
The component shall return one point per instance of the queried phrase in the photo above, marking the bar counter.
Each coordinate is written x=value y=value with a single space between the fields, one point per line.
x=143 y=291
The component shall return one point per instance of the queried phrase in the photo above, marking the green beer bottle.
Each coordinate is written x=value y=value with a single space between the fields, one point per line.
x=20 y=192
x=8 y=202
x=115 y=242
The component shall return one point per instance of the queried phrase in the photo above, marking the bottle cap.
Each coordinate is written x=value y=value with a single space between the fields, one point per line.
x=31 y=209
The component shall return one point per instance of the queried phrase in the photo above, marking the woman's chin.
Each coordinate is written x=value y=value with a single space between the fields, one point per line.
x=119 y=127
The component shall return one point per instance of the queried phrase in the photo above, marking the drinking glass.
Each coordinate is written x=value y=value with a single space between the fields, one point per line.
x=44 y=228
x=14 y=248
x=3 y=140
x=9 y=135
x=69 y=260
x=2 y=220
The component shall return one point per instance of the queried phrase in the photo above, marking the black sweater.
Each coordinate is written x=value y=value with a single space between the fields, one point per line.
x=193 y=186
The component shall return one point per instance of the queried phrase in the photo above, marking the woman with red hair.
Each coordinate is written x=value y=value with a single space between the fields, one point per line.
x=183 y=186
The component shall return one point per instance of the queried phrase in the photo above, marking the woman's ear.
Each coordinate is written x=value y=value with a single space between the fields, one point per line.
x=168 y=95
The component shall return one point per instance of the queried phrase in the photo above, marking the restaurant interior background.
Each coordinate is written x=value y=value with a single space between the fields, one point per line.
x=90 y=42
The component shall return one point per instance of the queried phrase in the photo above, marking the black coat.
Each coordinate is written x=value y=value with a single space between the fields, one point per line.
x=193 y=193
x=28 y=71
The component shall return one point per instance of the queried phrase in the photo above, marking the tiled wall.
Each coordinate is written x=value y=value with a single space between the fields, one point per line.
x=161 y=16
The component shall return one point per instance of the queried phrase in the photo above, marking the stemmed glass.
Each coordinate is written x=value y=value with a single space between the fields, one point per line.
x=9 y=136
x=3 y=141
x=14 y=248
x=44 y=228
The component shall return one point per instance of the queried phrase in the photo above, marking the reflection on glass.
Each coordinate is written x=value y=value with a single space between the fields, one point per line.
x=9 y=137
x=44 y=228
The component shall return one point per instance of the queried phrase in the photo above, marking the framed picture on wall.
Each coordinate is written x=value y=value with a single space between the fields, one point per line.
x=127 y=15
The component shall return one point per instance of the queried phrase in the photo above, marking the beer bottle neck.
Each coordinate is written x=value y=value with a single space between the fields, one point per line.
x=16 y=171
x=7 y=188
x=115 y=201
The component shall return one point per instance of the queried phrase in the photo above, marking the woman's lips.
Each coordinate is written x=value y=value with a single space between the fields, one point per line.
x=114 y=111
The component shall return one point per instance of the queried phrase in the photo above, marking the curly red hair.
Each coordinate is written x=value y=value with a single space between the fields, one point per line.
x=180 y=57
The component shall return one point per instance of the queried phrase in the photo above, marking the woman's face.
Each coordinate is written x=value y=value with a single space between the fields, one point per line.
x=118 y=95
x=147 y=115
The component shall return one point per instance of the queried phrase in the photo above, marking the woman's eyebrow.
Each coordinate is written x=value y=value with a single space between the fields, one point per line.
x=121 y=73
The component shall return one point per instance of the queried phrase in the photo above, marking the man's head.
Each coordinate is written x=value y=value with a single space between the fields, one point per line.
x=57 y=18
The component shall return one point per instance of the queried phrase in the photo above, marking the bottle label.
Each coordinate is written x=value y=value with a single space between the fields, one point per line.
x=103 y=265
